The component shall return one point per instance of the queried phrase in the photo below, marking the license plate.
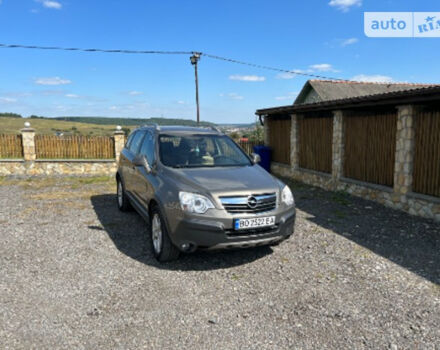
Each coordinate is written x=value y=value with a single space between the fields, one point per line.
x=241 y=224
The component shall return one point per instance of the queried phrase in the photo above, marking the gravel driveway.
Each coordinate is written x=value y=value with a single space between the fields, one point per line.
x=76 y=273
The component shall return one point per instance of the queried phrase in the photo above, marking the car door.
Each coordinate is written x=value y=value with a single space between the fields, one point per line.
x=124 y=162
x=130 y=154
x=143 y=180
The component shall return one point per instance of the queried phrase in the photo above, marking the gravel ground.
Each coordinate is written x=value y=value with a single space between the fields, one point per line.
x=76 y=273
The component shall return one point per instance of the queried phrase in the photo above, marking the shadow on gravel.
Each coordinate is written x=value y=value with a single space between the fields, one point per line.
x=409 y=241
x=130 y=234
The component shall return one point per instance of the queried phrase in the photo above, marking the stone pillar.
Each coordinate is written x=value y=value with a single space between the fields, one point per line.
x=119 y=137
x=294 y=142
x=28 y=140
x=266 y=131
x=403 y=164
x=338 y=145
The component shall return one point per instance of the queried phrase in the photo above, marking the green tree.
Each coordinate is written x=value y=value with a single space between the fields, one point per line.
x=257 y=135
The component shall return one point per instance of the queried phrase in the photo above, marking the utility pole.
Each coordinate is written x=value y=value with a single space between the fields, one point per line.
x=194 y=59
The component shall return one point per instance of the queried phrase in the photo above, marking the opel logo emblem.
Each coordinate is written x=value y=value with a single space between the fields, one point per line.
x=252 y=202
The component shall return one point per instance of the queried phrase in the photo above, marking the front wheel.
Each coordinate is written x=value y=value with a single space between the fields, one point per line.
x=164 y=250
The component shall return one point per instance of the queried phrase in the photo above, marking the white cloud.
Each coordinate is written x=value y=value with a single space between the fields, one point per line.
x=52 y=81
x=290 y=96
x=373 y=78
x=292 y=75
x=113 y=108
x=50 y=4
x=350 y=41
x=345 y=5
x=7 y=99
x=181 y=102
x=252 y=78
x=235 y=96
x=232 y=96
x=71 y=95
x=323 y=67
x=135 y=93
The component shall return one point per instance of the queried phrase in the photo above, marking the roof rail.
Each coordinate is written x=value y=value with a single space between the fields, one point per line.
x=214 y=128
x=155 y=125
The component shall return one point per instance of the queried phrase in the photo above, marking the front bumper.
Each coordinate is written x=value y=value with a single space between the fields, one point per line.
x=217 y=232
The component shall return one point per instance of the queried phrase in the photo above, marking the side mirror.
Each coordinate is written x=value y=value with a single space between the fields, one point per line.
x=255 y=158
x=141 y=160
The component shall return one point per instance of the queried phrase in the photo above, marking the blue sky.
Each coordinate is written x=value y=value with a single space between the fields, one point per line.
x=323 y=37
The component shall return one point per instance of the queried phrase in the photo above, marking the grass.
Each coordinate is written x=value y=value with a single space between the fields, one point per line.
x=50 y=126
x=340 y=197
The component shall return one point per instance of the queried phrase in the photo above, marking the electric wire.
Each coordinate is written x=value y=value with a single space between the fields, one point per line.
x=159 y=52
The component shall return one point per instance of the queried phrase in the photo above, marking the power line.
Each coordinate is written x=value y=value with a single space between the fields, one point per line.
x=259 y=66
x=270 y=68
x=35 y=47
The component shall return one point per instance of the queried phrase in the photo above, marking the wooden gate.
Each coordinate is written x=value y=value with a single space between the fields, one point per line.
x=279 y=138
x=370 y=145
x=315 y=143
x=426 y=173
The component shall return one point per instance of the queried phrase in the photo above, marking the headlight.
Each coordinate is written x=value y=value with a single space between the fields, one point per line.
x=194 y=203
x=287 y=196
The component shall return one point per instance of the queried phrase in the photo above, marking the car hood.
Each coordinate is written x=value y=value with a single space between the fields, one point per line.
x=234 y=180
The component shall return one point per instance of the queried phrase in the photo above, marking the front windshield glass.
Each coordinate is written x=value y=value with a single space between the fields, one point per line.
x=192 y=151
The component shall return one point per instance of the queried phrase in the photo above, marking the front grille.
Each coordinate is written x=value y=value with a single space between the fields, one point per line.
x=250 y=204
x=259 y=231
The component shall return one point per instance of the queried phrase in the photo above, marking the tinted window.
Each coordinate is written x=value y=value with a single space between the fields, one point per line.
x=200 y=151
x=136 y=142
x=147 y=148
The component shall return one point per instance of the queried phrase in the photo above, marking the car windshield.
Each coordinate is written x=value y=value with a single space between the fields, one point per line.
x=192 y=151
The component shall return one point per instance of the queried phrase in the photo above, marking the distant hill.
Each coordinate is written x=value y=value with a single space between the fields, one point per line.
x=239 y=126
x=133 y=121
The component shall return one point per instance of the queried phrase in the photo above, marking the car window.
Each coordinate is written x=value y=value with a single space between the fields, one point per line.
x=147 y=148
x=130 y=139
x=200 y=151
x=135 y=144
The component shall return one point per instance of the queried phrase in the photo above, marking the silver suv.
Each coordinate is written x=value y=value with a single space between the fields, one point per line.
x=199 y=190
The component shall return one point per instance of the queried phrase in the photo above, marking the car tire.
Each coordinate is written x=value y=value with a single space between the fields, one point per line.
x=121 y=197
x=164 y=250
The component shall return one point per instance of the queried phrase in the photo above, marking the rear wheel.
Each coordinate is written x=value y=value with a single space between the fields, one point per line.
x=164 y=250
x=121 y=196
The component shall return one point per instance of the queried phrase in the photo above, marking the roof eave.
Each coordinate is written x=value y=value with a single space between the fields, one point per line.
x=409 y=96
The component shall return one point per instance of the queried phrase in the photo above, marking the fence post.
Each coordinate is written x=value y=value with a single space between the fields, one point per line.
x=28 y=141
x=119 y=137
x=266 y=132
x=404 y=158
x=294 y=142
x=338 y=146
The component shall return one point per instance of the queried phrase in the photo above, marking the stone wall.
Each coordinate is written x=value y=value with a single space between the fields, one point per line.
x=399 y=197
x=64 y=167
x=31 y=166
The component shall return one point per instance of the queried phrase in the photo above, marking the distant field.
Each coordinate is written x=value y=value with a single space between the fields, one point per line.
x=50 y=126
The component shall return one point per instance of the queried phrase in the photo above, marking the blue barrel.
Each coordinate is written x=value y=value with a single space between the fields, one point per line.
x=265 y=155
